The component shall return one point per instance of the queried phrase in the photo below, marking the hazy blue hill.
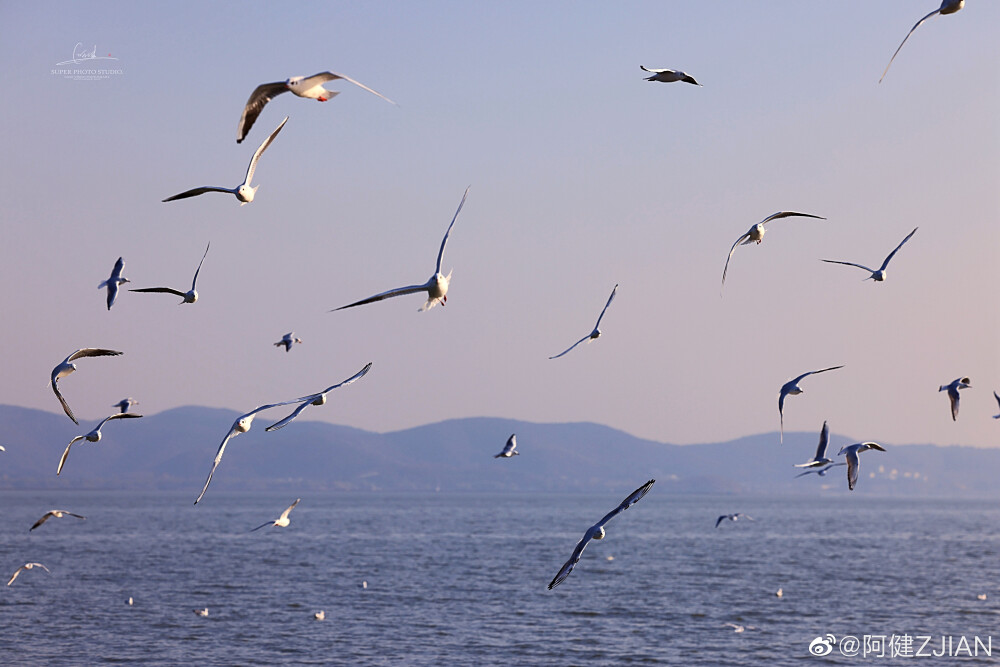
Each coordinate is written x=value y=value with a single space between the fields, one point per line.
x=174 y=449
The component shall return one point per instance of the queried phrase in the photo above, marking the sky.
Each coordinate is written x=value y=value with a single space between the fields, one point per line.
x=582 y=176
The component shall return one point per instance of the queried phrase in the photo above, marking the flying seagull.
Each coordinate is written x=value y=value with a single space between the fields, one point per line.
x=995 y=395
x=596 y=532
x=317 y=399
x=853 y=462
x=947 y=7
x=283 y=520
x=668 y=76
x=93 y=436
x=792 y=387
x=26 y=566
x=820 y=471
x=114 y=282
x=436 y=287
x=288 y=340
x=54 y=513
x=508 y=449
x=952 y=389
x=190 y=296
x=878 y=275
x=596 y=333
x=67 y=366
x=756 y=234
x=303 y=86
x=124 y=404
x=244 y=193
x=732 y=517
x=820 y=459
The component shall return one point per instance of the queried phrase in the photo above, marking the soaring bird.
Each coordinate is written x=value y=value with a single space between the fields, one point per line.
x=244 y=193
x=952 y=389
x=191 y=295
x=54 y=513
x=732 y=517
x=596 y=532
x=436 y=286
x=668 y=75
x=820 y=459
x=283 y=520
x=596 y=333
x=508 y=449
x=317 y=399
x=124 y=404
x=288 y=340
x=756 y=234
x=947 y=7
x=303 y=86
x=792 y=387
x=854 y=462
x=67 y=366
x=93 y=436
x=878 y=275
x=26 y=566
x=114 y=282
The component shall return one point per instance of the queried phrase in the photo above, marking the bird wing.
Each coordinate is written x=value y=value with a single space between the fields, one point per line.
x=92 y=352
x=65 y=405
x=17 y=572
x=164 y=290
x=573 y=560
x=268 y=523
x=307 y=401
x=889 y=257
x=199 y=191
x=996 y=396
x=720 y=520
x=444 y=241
x=860 y=266
x=789 y=214
x=511 y=443
x=45 y=517
x=953 y=397
x=824 y=440
x=116 y=272
x=399 y=291
x=284 y=515
x=215 y=463
x=853 y=467
x=731 y=251
x=571 y=347
x=260 y=151
x=781 y=413
x=330 y=76
x=198 y=270
x=654 y=71
x=804 y=375
x=357 y=376
x=260 y=96
x=915 y=26
x=632 y=499
x=62 y=460
x=610 y=299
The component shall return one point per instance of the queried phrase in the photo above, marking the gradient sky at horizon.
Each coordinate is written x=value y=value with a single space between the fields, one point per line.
x=582 y=176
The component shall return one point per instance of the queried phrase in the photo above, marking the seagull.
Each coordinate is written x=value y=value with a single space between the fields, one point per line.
x=436 y=286
x=668 y=76
x=67 y=367
x=288 y=340
x=596 y=532
x=596 y=333
x=878 y=275
x=54 y=513
x=508 y=449
x=124 y=404
x=756 y=233
x=732 y=517
x=243 y=192
x=190 y=296
x=114 y=281
x=792 y=387
x=780 y=592
x=820 y=459
x=130 y=601
x=94 y=436
x=283 y=520
x=995 y=395
x=201 y=612
x=311 y=87
x=853 y=462
x=317 y=399
x=952 y=388
x=820 y=471
x=947 y=7
x=241 y=425
x=26 y=566
x=320 y=615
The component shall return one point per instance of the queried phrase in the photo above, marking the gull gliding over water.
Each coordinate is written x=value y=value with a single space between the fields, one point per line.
x=792 y=387
x=508 y=449
x=191 y=295
x=67 y=367
x=820 y=471
x=756 y=234
x=436 y=287
x=668 y=75
x=114 y=282
x=93 y=436
x=54 y=513
x=947 y=7
x=317 y=399
x=878 y=275
x=732 y=517
x=820 y=459
x=596 y=532
x=26 y=566
x=596 y=333
x=304 y=86
x=854 y=462
x=243 y=192
x=952 y=389
x=283 y=520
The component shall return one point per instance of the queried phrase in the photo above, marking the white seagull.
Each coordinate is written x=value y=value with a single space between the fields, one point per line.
x=54 y=513
x=244 y=193
x=124 y=404
x=952 y=389
x=995 y=395
x=878 y=275
x=947 y=7
x=114 y=282
x=596 y=333
x=26 y=566
x=756 y=234
x=303 y=86
x=792 y=387
x=317 y=399
x=668 y=75
x=191 y=295
x=820 y=459
x=201 y=612
x=853 y=462
x=320 y=615
x=283 y=520
x=820 y=471
x=93 y=436
x=596 y=532
x=288 y=340
x=732 y=517
x=508 y=449
x=436 y=287
x=67 y=366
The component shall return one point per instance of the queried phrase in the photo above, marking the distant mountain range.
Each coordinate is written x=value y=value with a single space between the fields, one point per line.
x=174 y=450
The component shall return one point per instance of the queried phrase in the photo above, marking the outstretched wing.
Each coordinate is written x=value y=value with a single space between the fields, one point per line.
x=790 y=214
x=215 y=463
x=45 y=517
x=260 y=96
x=831 y=368
x=610 y=299
x=887 y=259
x=444 y=241
x=399 y=291
x=280 y=424
x=199 y=191
x=330 y=76
x=163 y=290
x=65 y=405
x=571 y=347
x=853 y=468
x=260 y=151
x=731 y=251
x=92 y=352
x=269 y=523
x=824 y=440
x=654 y=71
x=916 y=25
x=198 y=270
x=632 y=499
x=357 y=376
x=573 y=560
x=62 y=459
x=860 y=266
x=284 y=515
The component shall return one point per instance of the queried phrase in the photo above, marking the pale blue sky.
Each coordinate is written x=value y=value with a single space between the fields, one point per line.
x=583 y=175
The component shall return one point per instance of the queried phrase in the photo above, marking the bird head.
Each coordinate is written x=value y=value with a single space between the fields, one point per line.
x=246 y=194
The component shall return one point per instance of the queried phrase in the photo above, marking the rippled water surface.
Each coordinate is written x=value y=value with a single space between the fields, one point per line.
x=461 y=579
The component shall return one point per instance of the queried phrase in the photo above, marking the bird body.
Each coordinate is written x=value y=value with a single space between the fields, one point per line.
x=853 y=460
x=756 y=234
x=114 y=282
x=668 y=76
x=879 y=274
x=792 y=388
x=508 y=449
x=288 y=340
x=952 y=389
x=94 y=435
x=67 y=366
x=201 y=612
x=124 y=404
x=596 y=333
